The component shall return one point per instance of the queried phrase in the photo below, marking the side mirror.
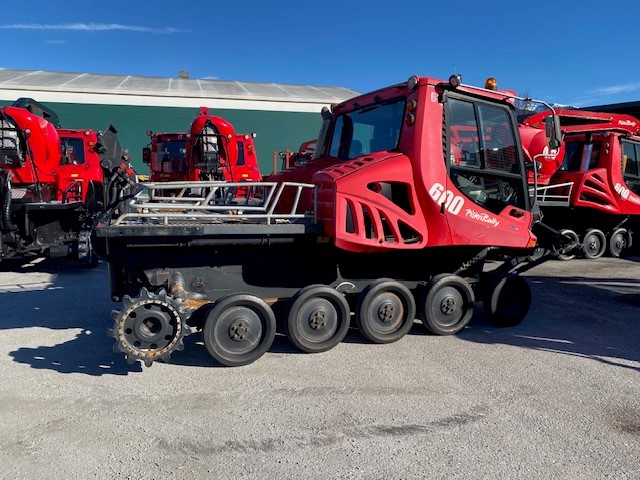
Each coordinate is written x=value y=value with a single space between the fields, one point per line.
x=554 y=135
x=146 y=155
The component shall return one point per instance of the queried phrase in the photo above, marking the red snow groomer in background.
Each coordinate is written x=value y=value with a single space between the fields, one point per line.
x=53 y=182
x=589 y=187
x=211 y=150
x=411 y=190
x=291 y=159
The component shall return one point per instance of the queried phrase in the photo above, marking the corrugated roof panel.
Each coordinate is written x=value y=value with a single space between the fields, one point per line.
x=12 y=75
x=270 y=90
x=340 y=93
x=305 y=91
x=222 y=87
x=146 y=84
x=181 y=85
x=168 y=87
x=44 y=79
x=93 y=81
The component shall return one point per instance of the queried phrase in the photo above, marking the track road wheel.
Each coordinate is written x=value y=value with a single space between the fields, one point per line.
x=595 y=243
x=507 y=300
x=537 y=254
x=239 y=329
x=317 y=318
x=446 y=304
x=149 y=327
x=618 y=242
x=385 y=311
x=574 y=236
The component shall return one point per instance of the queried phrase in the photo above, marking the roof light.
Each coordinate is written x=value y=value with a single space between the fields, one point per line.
x=455 y=80
x=491 y=84
x=412 y=82
x=412 y=105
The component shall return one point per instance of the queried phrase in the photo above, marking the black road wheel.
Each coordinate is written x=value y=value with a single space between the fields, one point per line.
x=574 y=236
x=595 y=243
x=446 y=304
x=385 y=311
x=618 y=242
x=507 y=300
x=317 y=318
x=239 y=329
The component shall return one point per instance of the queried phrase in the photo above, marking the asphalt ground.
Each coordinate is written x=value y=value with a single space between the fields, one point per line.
x=555 y=397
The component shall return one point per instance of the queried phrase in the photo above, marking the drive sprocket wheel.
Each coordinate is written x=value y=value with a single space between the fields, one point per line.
x=149 y=327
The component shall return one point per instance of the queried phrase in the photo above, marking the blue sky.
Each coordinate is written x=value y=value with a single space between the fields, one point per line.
x=573 y=52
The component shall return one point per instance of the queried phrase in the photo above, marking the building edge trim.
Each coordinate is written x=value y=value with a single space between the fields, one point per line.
x=7 y=94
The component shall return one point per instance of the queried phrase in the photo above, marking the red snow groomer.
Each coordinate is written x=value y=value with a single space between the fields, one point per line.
x=413 y=188
x=291 y=159
x=211 y=150
x=589 y=188
x=53 y=182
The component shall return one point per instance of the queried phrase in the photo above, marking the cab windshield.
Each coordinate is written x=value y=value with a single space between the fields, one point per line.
x=375 y=128
x=175 y=148
x=72 y=150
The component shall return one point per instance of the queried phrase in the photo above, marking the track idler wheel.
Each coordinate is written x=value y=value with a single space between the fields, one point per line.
x=149 y=327
x=317 y=318
x=595 y=243
x=385 y=311
x=239 y=329
x=507 y=300
x=446 y=304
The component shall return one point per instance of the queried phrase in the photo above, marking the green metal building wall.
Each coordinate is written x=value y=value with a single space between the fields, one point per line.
x=275 y=131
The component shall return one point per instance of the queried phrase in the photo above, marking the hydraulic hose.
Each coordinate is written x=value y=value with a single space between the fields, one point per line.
x=6 y=225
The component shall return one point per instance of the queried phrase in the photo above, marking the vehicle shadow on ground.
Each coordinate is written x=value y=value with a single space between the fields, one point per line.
x=72 y=299
x=606 y=330
x=596 y=319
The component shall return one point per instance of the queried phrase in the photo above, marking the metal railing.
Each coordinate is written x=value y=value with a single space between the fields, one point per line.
x=217 y=202
x=558 y=195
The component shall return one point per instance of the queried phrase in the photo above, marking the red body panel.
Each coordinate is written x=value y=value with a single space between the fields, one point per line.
x=358 y=216
x=534 y=142
x=43 y=155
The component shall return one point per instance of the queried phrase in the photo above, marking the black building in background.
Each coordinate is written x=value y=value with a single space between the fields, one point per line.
x=630 y=108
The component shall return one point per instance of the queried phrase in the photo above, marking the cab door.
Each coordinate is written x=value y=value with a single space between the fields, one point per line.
x=487 y=201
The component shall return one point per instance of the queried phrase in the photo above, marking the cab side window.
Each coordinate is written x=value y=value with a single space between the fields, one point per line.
x=482 y=154
x=630 y=165
x=580 y=156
